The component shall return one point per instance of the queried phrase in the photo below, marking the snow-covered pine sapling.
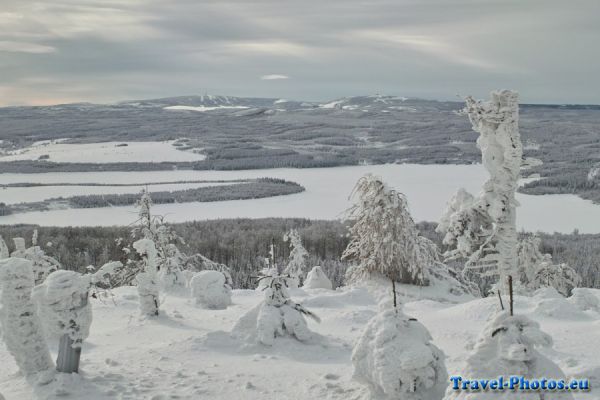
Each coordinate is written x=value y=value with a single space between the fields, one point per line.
x=483 y=229
x=21 y=329
x=66 y=312
x=296 y=267
x=395 y=358
x=316 y=279
x=4 y=252
x=210 y=290
x=279 y=315
x=385 y=240
x=147 y=280
x=507 y=347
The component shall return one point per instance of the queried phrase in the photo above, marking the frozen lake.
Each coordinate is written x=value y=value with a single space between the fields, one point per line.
x=427 y=187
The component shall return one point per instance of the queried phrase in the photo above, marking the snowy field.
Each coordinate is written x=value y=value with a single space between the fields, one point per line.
x=427 y=187
x=188 y=353
x=102 y=153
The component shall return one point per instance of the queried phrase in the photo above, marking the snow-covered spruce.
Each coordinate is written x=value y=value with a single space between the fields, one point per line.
x=147 y=280
x=43 y=264
x=316 y=279
x=507 y=346
x=395 y=358
x=280 y=316
x=297 y=263
x=210 y=289
x=385 y=239
x=4 y=252
x=483 y=229
x=21 y=328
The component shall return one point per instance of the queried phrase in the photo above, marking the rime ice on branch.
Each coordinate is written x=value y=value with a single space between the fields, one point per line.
x=21 y=328
x=484 y=229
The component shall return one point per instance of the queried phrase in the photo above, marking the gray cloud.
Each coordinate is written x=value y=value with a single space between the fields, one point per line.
x=107 y=50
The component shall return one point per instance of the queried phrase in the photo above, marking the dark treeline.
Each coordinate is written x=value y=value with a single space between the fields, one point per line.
x=243 y=244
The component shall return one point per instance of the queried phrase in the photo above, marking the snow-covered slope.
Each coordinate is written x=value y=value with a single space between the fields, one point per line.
x=187 y=352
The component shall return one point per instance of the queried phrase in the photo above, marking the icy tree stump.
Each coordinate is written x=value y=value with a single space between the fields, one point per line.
x=68 y=356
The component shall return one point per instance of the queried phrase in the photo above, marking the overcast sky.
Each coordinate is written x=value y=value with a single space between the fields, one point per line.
x=107 y=50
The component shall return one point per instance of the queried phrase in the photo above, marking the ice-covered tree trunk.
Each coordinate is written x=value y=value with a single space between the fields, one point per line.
x=501 y=150
x=147 y=281
x=21 y=328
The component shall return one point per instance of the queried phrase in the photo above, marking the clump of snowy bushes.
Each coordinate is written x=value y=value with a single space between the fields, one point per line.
x=395 y=358
x=42 y=264
x=505 y=347
x=211 y=290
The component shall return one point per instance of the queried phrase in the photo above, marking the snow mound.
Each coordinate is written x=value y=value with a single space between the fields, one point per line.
x=316 y=279
x=586 y=299
x=395 y=358
x=505 y=347
x=210 y=290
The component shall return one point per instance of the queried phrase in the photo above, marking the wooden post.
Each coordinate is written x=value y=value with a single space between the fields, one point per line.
x=500 y=297
x=394 y=290
x=68 y=357
x=510 y=294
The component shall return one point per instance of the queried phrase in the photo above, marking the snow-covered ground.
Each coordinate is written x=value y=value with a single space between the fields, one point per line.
x=187 y=353
x=428 y=188
x=106 y=152
x=202 y=108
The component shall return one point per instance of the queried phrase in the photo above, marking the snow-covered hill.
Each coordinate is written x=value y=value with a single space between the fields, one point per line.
x=187 y=353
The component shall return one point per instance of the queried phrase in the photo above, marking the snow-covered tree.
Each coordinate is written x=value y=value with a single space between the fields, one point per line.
x=507 y=347
x=147 y=280
x=210 y=289
x=170 y=260
x=62 y=303
x=483 y=229
x=279 y=315
x=21 y=329
x=395 y=358
x=297 y=263
x=316 y=279
x=4 y=252
x=43 y=264
x=385 y=239
x=536 y=270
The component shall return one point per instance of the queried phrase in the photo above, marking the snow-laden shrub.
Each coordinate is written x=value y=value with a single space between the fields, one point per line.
x=63 y=305
x=507 y=346
x=395 y=358
x=147 y=280
x=21 y=328
x=316 y=279
x=280 y=316
x=210 y=289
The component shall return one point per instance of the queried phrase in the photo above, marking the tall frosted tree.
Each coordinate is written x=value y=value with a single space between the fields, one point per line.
x=483 y=229
x=385 y=240
x=296 y=266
